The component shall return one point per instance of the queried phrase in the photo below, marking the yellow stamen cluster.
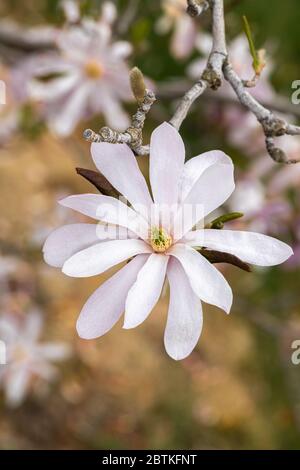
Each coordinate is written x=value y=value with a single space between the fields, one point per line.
x=94 y=69
x=160 y=240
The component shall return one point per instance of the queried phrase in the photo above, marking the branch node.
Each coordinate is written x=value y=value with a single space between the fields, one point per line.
x=196 y=7
x=277 y=154
x=133 y=136
x=212 y=77
x=273 y=126
x=90 y=136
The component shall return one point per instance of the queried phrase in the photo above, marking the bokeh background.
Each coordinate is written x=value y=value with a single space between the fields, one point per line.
x=239 y=389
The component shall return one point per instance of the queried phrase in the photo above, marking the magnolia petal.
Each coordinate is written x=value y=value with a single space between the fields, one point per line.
x=146 y=290
x=207 y=282
x=184 y=323
x=32 y=327
x=214 y=185
x=107 y=209
x=184 y=37
x=8 y=329
x=105 y=306
x=55 y=89
x=64 y=118
x=98 y=258
x=44 y=369
x=121 y=49
x=196 y=166
x=114 y=114
x=205 y=185
x=253 y=248
x=167 y=155
x=119 y=165
x=17 y=385
x=65 y=241
x=53 y=351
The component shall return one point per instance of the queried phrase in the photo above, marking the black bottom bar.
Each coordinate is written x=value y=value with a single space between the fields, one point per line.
x=137 y=459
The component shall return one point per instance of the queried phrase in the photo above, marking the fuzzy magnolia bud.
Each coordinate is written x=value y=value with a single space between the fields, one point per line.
x=137 y=84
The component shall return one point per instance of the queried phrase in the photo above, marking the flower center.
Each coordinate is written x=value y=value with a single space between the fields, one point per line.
x=94 y=69
x=160 y=240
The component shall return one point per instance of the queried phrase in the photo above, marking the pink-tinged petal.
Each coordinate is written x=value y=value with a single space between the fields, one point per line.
x=105 y=306
x=8 y=329
x=55 y=89
x=113 y=112
x=65 y=241
x=196 y=166
x=207 y=183
x=207 y=282
x=16 y=386
x=213 y=187
x=119 y=165
x=121 y=49
x=43 y=369
x=53 y=351
x=184 y=37
x=253 y=248
x=32 y=327
x=184 y=324
x=167 y=155
x=98 y=258
x=146 y=290
x=107 y=209
x=109 y=13
x=64 y=118
x=71 y=11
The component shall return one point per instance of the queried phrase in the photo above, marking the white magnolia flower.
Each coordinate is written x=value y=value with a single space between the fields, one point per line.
x=160 y=246
x=26 y=356
x=88 y=76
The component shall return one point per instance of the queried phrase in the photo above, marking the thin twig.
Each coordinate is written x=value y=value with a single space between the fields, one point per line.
x=272 y=125
x=219 y=66
x=133 y=135
x=175 y=90
x=196 y=7
x=186 y=102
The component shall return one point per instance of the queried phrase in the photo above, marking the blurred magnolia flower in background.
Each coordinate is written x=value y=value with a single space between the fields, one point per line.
x=263 y=213
x=8 y=265
x=71 y=10
x=185 y=29
x=9 y=116
x=57 y=215
x=241 y=60
x=87 y=75
x=294 y=261
x=162 y=245
x=27 y=358
x=288 y=176
x=9 y=124
x=241 y=126
x=261 y=191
